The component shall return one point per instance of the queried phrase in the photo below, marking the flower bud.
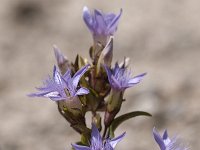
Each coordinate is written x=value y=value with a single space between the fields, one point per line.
x=62 y=61
x=96 y=119
x=113 y=106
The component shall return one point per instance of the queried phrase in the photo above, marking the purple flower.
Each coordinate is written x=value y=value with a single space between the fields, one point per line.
x=62 y=87
x=120 y=78
x=61 y=59
x=97 y=143
x=165 y=143
x=101 y=25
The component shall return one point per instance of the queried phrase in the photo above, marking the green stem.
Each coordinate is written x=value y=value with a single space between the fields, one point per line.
x=105 y=131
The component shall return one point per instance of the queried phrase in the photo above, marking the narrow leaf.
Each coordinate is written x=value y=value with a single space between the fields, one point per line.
x=117 y=121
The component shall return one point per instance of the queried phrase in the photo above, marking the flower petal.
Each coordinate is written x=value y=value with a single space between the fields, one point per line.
x=176 y=144
x=158 y=139
x=35 y=95
x=115 y=83
x=57 y=76
x=79 y=147
x=88 y=18
x=67 y=75
x=96 y=137
x=59 y=56
x=82 y=91
x=55 y=96
x=165 y=137
x=136 y=79
x=108 y=18
x=79 y=74
x=100 y=25
x=116 y=140
x=109 y=73
x=113 y=25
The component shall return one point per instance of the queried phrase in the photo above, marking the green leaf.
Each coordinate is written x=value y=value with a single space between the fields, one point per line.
x=117 y=121
x=91 y=52
x=79 y=62
x=85 y=138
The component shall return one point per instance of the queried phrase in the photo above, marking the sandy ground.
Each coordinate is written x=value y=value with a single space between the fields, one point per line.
x=161 y=37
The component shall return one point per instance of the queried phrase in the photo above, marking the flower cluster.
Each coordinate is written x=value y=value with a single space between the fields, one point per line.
x=95 y=86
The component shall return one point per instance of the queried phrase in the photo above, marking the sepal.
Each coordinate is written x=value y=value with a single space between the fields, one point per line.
x=79 y=62
x=106 y=55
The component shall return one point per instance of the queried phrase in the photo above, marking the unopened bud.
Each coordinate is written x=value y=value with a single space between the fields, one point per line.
x=62 y=61
x=113 y=106
x=97 y=121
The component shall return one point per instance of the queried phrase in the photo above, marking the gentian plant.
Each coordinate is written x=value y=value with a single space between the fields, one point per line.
x=96 y=86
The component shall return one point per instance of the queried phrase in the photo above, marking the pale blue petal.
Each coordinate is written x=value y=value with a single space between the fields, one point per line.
x=108 y=18
x=37 y=94
x=55 y=96
x=100 y=23
x=115 y=83
x=107 y=146
x=88 y=18
x=82 y=91
x=109 y=73
x=67 y=75
x=96 y=137
x=116 y=67
x=57 y=76
x=158 y=139
x=136 y=79
x=80 y=147
x=59 y=56
x=113 y=25
x=176 y=144
x=166 y=139
x=79 y=74
x=165 y=134
x=116 y=140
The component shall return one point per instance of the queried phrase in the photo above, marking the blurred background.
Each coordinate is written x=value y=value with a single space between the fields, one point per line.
x=161 y=37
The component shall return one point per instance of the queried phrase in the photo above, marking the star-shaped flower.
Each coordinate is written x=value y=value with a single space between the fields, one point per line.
x=101 y=25
x=97 y=143
x=120 y=78
x=62 y=87
x=165 y=143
